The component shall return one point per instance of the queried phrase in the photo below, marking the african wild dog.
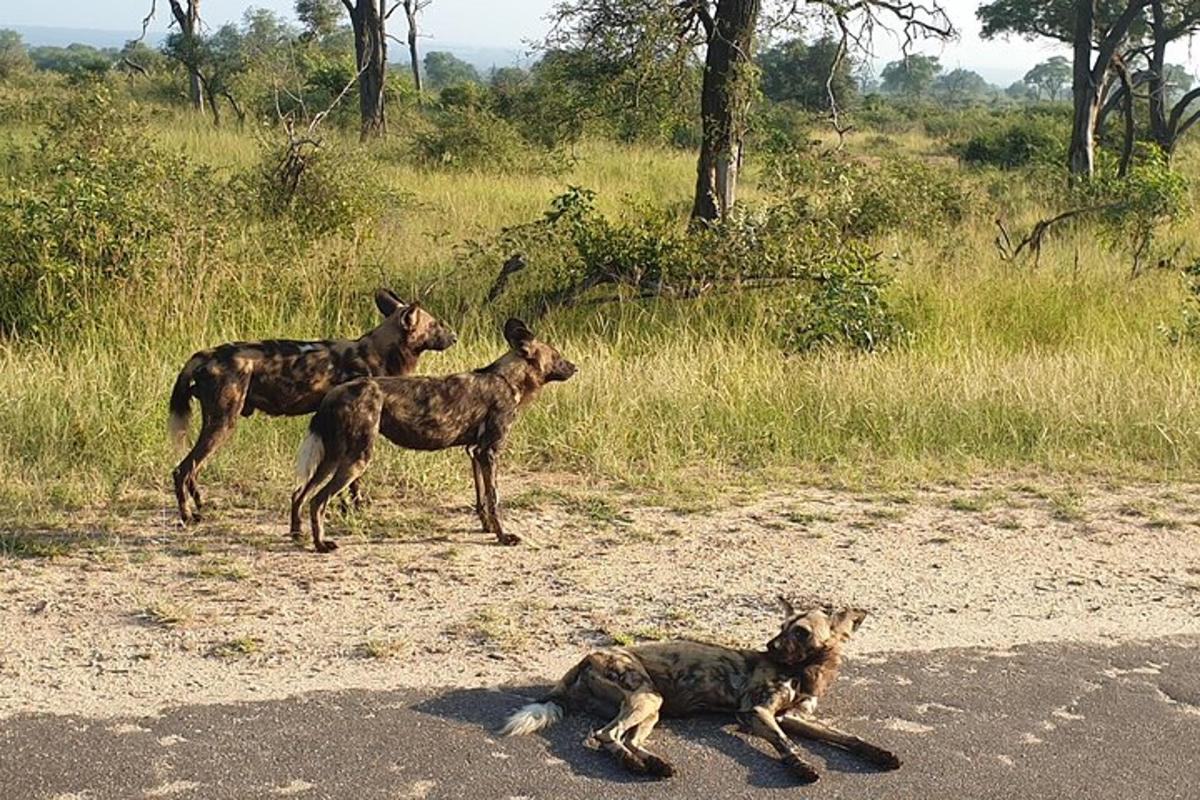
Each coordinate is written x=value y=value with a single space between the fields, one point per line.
x=471 y=409
x=680 y=678
x=282 y=377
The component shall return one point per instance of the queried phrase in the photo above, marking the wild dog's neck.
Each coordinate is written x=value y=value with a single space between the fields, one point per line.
x=816 y=672
x=395 y=358
x=517 y=373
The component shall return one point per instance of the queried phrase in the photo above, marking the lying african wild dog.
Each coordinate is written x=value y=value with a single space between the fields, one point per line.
x=680 y=678
x=282 y=377
x=471 y=409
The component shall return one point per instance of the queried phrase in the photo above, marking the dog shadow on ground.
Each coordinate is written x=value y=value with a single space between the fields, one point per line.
x=676 y=740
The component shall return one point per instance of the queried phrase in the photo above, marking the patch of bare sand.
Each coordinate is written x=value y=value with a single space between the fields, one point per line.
x=232 y=611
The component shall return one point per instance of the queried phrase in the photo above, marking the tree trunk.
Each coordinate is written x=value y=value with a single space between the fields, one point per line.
x=1081 y=157
x=189 y=23
x=724 y=103
x=370 y=49
x=1160 y=131
x=411 y=12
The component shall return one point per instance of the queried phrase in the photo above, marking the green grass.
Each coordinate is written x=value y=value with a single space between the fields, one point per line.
x=1060 y=368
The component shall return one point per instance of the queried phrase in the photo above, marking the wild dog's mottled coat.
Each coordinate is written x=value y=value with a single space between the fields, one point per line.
x=679 y=678
x=282 y=377
x=471 y=409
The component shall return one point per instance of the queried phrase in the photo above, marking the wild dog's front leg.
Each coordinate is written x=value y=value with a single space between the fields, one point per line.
x=761 y=722
x=486 y=457
x=812 y=729
x=477 y=474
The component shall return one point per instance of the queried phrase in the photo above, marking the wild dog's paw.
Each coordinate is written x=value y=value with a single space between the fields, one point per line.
x=296 y=536
x=633 y=762
x=508 y=539
x=881 y=758
x=801 y=770
x=656 y=766
x=327 y=546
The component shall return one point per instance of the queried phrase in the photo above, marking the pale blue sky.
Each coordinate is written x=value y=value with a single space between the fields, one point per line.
x=509 y=23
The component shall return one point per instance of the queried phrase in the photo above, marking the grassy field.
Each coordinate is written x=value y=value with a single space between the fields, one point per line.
x=1059 y=368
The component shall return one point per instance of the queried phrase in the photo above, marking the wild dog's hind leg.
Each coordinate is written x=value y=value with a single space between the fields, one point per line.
x=220 y=406
x=761 y=722
x=639 y=709
x=609 y=679
x=655 y=764
x=345 y=473
x=811 y=729
x=324 y=469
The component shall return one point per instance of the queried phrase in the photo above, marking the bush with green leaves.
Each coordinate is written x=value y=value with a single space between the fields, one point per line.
x=862 y=200
x=1032 y=139
x=97 y=204
x=465 y=136
x=321 y=185
x=827 y=289
x=1133 y=209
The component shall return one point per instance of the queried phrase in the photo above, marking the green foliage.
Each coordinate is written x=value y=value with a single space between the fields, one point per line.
x=326 y=188
x=1133 y=209
x=14 y=60
x=78 y=60
x=1188 y=330
x=961 y=86
x=468 y=137
x=1049 y=77
x=862 y=200
x=826 y=290
x=1031 y=139
x=846 y=305
x=446 y=69
x=319 y=17
x=99 y=205
x=912 y=76
x=1052 y=19
x=795 y=71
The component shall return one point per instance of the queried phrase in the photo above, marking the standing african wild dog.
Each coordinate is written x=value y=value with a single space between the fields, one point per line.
x=282 y=377
x=471 y=409
x=682 y=677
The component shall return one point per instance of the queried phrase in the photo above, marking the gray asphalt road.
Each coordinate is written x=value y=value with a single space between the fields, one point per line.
x=1041 y=722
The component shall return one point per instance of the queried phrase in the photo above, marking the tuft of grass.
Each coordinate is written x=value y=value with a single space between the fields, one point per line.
x=382 y=648
x=237 y=648
x=29 y=545
x=165 y=613
x=1066 y=506
x=500 y=628
x=223 y=569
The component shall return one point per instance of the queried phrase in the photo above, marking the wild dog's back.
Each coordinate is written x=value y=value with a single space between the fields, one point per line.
x=422 y=413
x=696 y=676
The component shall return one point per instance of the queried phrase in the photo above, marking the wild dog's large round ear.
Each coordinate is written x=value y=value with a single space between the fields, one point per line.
x=409 y=318
x=847 y=620
x=786 y=605
x=516 y=332
x=387 y=302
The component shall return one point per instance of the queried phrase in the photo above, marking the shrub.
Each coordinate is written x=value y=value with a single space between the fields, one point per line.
x=863 y=200
x=1132 y=209
x=323 y=187
x=1033 y=139
x=828 y=290
x=99 y=205
x=466 y=137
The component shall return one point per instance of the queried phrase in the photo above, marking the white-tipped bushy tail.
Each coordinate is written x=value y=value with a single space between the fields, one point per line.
x=177 y=429
x=312 y=450
x=532 y=718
